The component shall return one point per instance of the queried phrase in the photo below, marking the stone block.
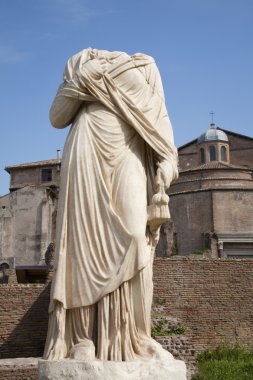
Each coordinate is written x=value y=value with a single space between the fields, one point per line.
x=68 y=369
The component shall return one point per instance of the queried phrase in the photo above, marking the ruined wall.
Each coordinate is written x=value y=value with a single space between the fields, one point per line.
x=167 y=242
x=213 y=298
x=5 y=228
x=26 y=224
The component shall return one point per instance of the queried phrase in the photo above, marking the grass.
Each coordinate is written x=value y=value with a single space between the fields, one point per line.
x=225 y=363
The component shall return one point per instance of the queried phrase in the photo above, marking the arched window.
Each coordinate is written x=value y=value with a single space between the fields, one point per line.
x=212 y=151
x=223 y=153
x=202 y=155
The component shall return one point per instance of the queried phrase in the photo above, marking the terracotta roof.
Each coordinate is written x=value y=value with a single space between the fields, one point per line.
x=51 y=162
x=216 y=165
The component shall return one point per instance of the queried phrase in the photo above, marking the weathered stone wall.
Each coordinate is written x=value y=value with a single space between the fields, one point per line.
x=212 y=298
x=25 y=177
x=192 y=216
x=26 y=224
x=241 y=150
x=197 y=213
x=167 y=243
x=233 y=211
x=188 y=156
x=31 y=176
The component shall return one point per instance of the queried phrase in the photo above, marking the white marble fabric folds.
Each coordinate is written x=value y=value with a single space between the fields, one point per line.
x=120 y=131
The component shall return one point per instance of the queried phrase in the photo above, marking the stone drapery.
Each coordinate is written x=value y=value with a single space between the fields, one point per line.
x=102 y=287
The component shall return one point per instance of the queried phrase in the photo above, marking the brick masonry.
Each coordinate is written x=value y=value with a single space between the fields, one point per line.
x=212 y=298
x=23 y=321
x=11 y=373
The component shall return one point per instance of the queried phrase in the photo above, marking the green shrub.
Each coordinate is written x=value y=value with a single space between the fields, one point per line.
x=159 y=301
x=160 y=330
x=225 y=363
x=200 y=251
x=174 y=249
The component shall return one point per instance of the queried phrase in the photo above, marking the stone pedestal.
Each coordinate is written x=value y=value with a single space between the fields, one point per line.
x=153 y=369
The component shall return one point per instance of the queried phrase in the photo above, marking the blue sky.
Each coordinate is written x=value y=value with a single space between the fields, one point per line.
x=203 y=49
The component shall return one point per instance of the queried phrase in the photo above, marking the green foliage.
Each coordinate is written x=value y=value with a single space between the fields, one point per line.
x=199 y=251
x=160 y=301
x=160 y=330
x=174 y=249
x=225 y=363
x=225 y=352
x=179 y=330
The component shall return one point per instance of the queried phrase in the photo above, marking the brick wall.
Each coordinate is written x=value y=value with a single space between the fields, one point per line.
x=23 y=319
x=11 y=373
x=213 y=298
x=241 y=150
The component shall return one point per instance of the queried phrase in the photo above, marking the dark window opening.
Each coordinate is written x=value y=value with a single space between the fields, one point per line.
x=223 y=153
x=202 y=156
x=46 y=175
x=212 y=153
x=3 y=275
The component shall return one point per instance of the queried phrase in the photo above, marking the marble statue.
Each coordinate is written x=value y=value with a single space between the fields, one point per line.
x=111 y=204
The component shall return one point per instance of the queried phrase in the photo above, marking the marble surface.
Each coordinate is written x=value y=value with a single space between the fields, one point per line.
x=109 y=370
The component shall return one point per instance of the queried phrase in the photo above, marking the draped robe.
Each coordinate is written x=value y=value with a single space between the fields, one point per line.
x=102 y=285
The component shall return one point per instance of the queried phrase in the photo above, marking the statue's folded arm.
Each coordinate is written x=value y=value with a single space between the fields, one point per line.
x=63 y=110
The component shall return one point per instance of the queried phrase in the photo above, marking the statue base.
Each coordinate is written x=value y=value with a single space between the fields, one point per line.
x=67 y=369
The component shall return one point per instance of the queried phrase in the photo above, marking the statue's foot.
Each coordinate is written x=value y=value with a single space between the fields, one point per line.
x=83 y=351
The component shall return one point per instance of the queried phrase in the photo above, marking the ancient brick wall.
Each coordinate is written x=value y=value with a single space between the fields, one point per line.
x=188 y=156
x=12 y=373
x=23 y=319
x=241 y=150
x=213 y=298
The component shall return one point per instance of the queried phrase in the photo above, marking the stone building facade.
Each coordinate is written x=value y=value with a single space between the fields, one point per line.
x=212 y=201
x=28 y=213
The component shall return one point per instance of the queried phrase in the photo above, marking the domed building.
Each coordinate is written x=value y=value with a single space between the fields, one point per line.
x=211 y=203
x=213 y=145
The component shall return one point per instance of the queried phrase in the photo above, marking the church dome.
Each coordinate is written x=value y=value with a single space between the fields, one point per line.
x=213 y=134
